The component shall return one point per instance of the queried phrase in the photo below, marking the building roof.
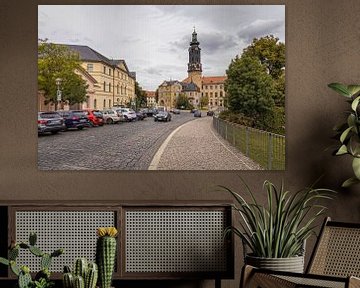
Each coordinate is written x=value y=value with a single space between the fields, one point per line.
x=213 y=79
x=208 y=79
x=150 y=94
x=170 y=83
x=190 y=87
x=88 y=54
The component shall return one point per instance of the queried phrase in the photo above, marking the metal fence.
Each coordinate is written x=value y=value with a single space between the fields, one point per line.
x=265 y=148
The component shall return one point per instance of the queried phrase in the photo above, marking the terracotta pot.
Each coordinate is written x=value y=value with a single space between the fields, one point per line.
x=291 y=264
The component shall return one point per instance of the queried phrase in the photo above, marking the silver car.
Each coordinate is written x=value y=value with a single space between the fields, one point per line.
x=50 y=122
x=110 y=116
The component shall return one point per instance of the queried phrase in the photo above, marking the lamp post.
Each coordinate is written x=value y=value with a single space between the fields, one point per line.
x=58 y=92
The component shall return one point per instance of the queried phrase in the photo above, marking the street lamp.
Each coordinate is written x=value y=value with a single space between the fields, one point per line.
x=58 y=92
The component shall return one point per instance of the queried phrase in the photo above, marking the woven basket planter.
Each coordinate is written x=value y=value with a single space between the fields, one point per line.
x=291 y=264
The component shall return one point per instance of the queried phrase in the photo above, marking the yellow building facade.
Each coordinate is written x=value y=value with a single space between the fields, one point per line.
x=115 y=83
x=168 y=91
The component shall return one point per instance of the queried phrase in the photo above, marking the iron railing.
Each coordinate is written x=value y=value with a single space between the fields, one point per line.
x=265 y=148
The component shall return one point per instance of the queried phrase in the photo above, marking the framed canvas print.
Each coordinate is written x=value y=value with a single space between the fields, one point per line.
x=161 y=87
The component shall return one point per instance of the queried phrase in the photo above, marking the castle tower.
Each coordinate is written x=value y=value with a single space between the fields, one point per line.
x=194 y=65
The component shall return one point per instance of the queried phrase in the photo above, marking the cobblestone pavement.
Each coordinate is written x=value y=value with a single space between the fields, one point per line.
x=197 y=146
x=124 y=146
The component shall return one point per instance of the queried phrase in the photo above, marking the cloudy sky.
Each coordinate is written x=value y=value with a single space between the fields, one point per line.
x=153 y=40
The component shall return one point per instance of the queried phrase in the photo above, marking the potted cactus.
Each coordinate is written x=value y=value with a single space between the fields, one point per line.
x=42 y=278
x=84 y=275
x=106 y=254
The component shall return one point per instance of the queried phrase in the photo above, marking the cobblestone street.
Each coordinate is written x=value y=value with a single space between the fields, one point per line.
x=124 y=146
x=196 y=146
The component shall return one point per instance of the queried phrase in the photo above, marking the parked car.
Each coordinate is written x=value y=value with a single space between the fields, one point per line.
x=197 y=113
x=210 y=113
x=129 y=114
x=111 y=116
x=176 y=111
x=140 y=115
x=95 y=117
x=119 y=113
x=76 y=119
x=193 y=110
x=50 y=122
x=162 y=116
x=151 y=112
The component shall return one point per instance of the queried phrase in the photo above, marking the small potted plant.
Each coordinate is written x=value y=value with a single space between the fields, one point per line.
x=42 y=278
x=349 y=132
x=275 y=234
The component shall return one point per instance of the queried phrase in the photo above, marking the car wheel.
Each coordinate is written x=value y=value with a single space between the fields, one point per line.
x=109 y=121
x=54 y=132
x=80 y=127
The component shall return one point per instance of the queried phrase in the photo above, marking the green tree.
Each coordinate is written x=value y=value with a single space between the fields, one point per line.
x=57 y=61
x=249 y=87
x=182 y=101
x=204 y=101
x=141 y=100
x=270 y=52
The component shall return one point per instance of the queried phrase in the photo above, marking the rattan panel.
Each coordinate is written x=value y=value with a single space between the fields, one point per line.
x=175 y=241
x=75 y=231
x=338 y=253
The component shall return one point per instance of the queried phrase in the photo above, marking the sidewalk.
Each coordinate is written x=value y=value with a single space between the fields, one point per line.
x=196 y=146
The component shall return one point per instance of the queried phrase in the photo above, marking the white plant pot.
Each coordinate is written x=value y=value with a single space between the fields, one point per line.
x=291 y=264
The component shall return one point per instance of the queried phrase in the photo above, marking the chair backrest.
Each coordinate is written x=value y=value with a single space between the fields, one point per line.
x=337 y=251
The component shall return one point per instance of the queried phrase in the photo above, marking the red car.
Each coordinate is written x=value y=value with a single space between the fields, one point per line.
x=95 y=117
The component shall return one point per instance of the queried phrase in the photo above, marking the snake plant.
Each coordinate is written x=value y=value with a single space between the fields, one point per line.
x=279 y=228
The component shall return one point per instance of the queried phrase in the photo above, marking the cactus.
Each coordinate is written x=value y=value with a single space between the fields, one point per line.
x=42 y=278
x=91 y=276
x=80 y=267
x=24 y=280
x=68 y=280
x=84 y=274
x=105 y=255
x=79 y=282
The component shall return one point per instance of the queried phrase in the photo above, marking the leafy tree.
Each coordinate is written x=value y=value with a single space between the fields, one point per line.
x=270 y=52
x=57 y=61
x=141 y=100
x=249 y=87
x=204 y=101
x=182 y=101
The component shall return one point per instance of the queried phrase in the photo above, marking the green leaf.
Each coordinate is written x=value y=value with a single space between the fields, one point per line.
x=342 y=150
x=355 y=103
x=340 y=88
x=353 y=89
x=349 y=182
x=4 y=261
x=345 y=134
x=351 y=120
x=356 y=167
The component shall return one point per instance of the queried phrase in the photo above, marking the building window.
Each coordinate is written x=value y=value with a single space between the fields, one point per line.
x=109 y=87
x=118 y=74
x=109 y=103
x=215 y=94
x=221 y=86
x=117 y=89
x=211 y=94
x=221 y=94
x=95 y=104
x=211 y=103
x=206 y=94
x=215 y=103
x=118 y=101
x=104 y=69
x=104 y=103
x=109 y=71
x=90 y=67
x=104 y=86
x=211 y=87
